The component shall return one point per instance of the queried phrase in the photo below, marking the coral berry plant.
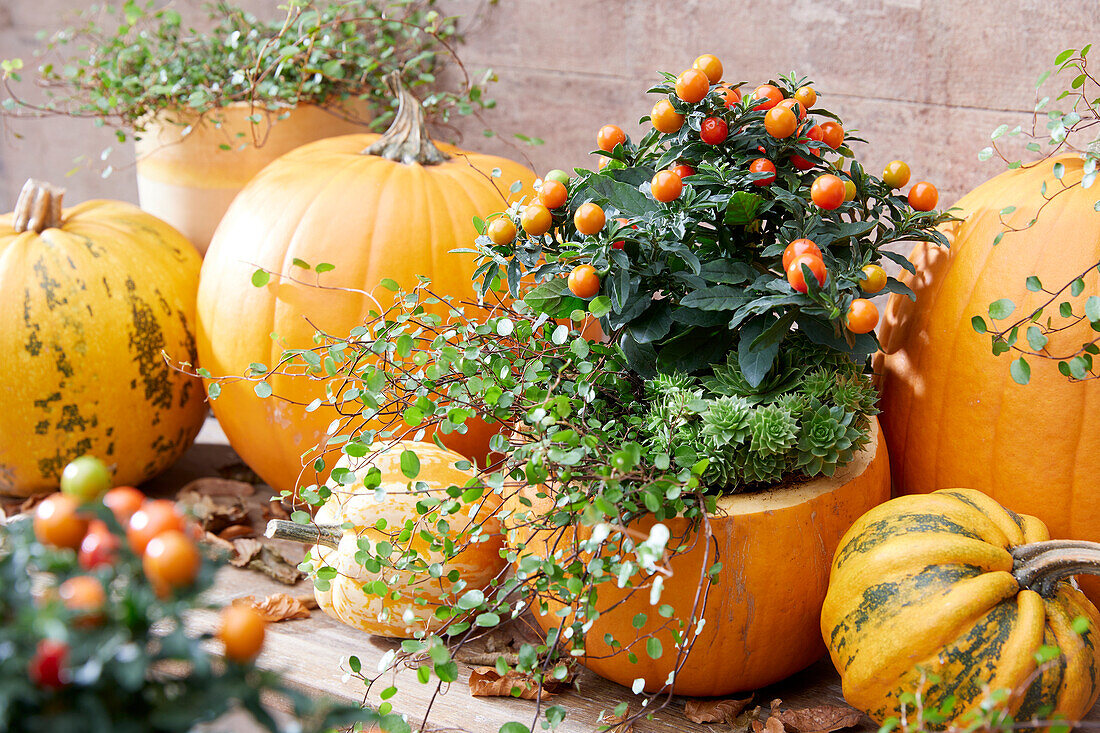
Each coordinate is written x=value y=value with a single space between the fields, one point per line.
x=700 y=270
x=726 y=253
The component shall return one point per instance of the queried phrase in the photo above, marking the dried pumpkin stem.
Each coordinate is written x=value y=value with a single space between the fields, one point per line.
x=308 y=534
x=407 y=140
x=1042 y=565
x=1023 y=553
x=38 y=207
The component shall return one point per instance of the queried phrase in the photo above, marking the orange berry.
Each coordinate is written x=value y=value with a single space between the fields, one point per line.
x=501 y=231
x=552 y=195
x=896 y=173
x=806 y=96
x=536 y=220
x=242 y=631
x=665 y=118
x=171 y=561
x=85 y=597
x=862 y=316
x=780 y=122
x=827 y=191
x=923 y=196
x=798 y=248
x=710 y=65
x=769 y=96
x=123 y=501
x=873 y=280
x=584 y=281
x=797 y=278
x=692 y=85
x=666 y=186
x=589 y=218
x=609 y=136
x=58 y=522
x=832 y=134
x=156 y=516
x=795 y=107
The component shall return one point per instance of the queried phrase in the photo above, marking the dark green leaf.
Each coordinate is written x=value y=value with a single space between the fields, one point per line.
x=742 y=208
x=717 y=298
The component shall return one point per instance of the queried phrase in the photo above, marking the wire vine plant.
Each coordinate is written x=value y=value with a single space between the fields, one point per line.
x=568 y=475
x=123 y=64
x=1053 y=132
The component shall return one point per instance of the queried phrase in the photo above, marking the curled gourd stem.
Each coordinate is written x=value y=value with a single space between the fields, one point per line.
x=308 y=534
x=1042 y=565
x=407 y=140
x=38 y=207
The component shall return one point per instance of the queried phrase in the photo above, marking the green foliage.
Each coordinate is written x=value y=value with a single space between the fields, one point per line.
x=126 y=62
x=702 y=276
x=114 y=670
x=808 y=425
x=1068 y=305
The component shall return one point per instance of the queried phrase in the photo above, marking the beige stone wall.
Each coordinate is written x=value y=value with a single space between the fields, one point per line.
x=923 y=80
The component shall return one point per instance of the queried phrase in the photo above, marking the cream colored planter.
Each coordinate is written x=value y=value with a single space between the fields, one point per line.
x=187 y=178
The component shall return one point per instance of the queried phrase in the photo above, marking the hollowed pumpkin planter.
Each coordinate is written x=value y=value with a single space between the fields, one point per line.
x=190 y=167
x=762 y=613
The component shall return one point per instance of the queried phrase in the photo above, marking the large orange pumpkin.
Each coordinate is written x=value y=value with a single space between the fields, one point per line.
x=90 y=297
x=952 y=414
x=391 y=207
x=761 y=617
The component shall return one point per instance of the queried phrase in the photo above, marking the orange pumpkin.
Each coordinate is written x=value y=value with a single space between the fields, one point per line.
x=951 y=412
x=761 y=616
x=90 y=297
x=391 y=207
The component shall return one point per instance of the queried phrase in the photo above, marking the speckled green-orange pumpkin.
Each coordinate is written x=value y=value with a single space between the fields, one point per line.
x=951 y=596
x=91 y=299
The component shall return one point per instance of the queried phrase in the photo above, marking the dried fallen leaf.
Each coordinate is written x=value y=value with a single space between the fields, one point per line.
x=31 y=502
x=715 y=711
x=236 y=532
x=611 y=723
x=820 y=719
x=244 y=550
x=274 y=564
x=219 y=487
x=275 y=607
x=213 y=513
x=774 y=725
x=487 y=682
x=238 y=471
x=274 y=509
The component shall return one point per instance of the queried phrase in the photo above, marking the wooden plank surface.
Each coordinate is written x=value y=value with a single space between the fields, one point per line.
x=312 y=653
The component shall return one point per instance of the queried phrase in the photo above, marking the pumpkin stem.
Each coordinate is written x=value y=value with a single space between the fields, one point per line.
x=38 y=207
x=1042 y=565
x=308 y=534
x=407 y=140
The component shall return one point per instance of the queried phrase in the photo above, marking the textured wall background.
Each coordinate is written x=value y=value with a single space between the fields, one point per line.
x=923 y=80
